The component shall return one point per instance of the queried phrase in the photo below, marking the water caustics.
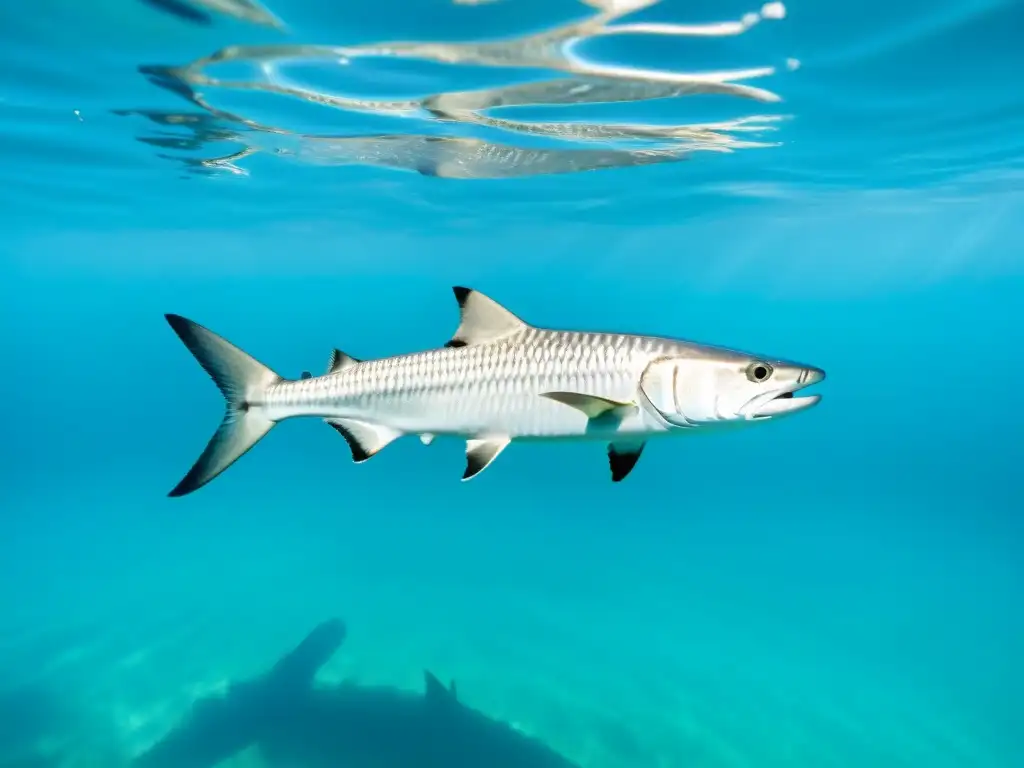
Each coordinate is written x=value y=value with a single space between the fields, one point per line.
x=454 y=133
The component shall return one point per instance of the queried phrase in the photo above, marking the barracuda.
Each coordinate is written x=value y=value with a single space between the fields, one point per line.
x=500 y=379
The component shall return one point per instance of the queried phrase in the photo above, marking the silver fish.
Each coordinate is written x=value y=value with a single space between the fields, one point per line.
x=496 y=380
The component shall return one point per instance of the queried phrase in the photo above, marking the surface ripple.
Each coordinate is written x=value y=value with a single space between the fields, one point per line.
x=645 y=110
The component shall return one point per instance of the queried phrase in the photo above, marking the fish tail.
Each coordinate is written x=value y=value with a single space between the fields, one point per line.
x=242 y=380
x=295 y=672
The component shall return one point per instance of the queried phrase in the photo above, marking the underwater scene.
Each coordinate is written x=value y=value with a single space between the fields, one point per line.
x=512 y=384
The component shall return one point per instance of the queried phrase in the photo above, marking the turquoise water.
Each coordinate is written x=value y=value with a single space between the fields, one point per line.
x=836 y=184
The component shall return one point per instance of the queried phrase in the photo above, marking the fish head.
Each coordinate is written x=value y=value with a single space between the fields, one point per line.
x=706 y=386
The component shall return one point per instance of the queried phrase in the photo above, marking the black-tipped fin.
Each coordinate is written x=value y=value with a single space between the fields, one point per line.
x=306 y=375
x=480 y=453
x=241 y=379
x=236 y=435
x=365 y=440
x=623 y=456
x=339 y=361
x=482 y=320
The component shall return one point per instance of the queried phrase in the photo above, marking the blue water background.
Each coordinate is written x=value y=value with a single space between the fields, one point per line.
x=842 y=588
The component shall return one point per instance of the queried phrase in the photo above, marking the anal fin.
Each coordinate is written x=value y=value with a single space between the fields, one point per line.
x=364 y=439
x=623 y=456
x=480 y=452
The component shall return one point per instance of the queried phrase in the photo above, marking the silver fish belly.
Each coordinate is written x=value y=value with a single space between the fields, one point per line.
x=490 y=389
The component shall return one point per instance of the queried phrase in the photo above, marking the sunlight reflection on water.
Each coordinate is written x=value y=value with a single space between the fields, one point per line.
x=454 y=133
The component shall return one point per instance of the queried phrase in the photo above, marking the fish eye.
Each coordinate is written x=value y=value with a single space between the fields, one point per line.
x=759 y=372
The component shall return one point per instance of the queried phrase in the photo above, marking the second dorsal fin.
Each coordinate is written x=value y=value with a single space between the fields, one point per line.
x=436 y=692
x=339 y=360
x=482 y=320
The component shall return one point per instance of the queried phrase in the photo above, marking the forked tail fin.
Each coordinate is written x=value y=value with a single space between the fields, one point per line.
x=241 y=379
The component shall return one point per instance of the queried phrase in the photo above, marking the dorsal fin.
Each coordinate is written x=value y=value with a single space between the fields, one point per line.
x=306 y=375
x=482 y=320
x=339 y=360
x=435 y=690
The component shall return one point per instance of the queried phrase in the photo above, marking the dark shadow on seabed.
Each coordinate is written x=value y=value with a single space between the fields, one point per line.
x=293 y=721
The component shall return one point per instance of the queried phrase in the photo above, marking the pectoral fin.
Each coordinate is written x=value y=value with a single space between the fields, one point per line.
x=480 y=453
x=364 y=439
x=623 y=456
x=592 y=405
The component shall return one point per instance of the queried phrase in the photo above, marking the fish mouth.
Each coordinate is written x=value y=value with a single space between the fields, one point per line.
x=781 y=403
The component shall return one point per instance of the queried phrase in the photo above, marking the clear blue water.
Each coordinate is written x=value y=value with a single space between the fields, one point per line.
x=841 y=588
